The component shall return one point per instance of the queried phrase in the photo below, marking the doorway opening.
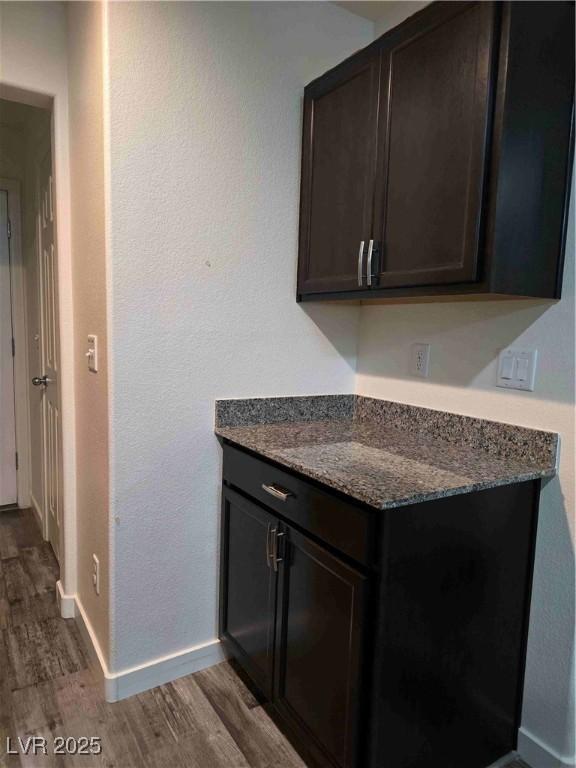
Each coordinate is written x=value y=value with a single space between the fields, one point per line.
x=30 y=407
x=8 y=443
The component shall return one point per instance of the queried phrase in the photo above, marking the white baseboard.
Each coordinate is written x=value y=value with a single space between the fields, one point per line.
x=128 y=682
x=164 y=670
x=97 y=659
x=37 y=511
x=540 y=755
x=66 y=603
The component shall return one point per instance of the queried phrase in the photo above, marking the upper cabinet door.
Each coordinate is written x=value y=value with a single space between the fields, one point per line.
x=338 y=170
x=435 y=101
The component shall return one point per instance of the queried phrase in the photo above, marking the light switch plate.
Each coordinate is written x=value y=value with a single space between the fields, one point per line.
x=92 y=353
x=517 y=369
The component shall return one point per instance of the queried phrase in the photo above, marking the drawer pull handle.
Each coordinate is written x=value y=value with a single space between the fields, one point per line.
x=278 y=493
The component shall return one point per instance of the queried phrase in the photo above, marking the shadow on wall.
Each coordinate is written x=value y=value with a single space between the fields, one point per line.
x=466 y=338
x=339 y=324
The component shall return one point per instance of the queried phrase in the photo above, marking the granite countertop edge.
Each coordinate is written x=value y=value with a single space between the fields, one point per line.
x=386 y=454
x=416 y=498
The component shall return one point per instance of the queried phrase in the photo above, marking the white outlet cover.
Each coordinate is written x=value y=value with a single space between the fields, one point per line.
x=517 y=369
x=420 y=360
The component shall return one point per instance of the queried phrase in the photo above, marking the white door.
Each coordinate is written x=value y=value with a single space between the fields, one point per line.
x=49 y=381
x=8 y=479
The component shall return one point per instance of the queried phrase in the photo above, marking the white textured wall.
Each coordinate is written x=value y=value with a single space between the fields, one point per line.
x=465 y=340
x=86 y=73
x=205 y=150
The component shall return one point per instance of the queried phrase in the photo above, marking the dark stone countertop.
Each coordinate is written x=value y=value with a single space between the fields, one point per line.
x=382 y=454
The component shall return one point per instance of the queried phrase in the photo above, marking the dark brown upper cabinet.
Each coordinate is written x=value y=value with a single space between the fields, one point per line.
x=437 y=161
x=436 y=81
x=338 y=170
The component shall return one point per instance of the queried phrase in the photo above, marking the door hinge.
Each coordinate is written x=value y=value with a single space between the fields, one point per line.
x=13 y=347
x=9 y=229
x=16 y=454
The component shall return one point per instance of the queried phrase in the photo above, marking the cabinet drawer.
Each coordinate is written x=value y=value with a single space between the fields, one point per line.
x=341 y=524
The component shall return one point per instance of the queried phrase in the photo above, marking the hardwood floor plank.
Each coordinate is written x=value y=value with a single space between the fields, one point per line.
x=19 y=585
x=45 y=650
x=176 y=719
x=4 y=604
x=8 y=544
x=18 y=529
x=33 y=609
x=41 y=567
x=5 y=706
x=260 y=742
x=35 y=708
x=85 y=713
x=248 y=695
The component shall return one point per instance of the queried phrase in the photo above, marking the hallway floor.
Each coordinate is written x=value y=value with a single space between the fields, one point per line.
x=47 y=687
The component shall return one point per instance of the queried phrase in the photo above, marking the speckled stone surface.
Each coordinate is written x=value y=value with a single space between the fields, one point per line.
x=272 y=410
x=494 y=437
x=374 y=452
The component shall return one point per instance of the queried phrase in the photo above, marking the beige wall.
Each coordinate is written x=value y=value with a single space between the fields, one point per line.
x=33 y=67
x=465 y=339
x=34 y=64
x=89 y=281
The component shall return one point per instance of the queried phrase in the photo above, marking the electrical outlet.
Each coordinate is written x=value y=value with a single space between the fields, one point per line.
x=96 y=574
x=420 y=360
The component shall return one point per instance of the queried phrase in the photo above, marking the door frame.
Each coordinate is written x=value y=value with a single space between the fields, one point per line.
x=27 y=92
x=20 y=335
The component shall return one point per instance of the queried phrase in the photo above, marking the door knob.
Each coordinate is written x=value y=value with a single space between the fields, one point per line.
x=40 y=381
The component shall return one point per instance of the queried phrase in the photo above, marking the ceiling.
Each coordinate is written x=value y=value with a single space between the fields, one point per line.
x=386 y=13
x=369 y=9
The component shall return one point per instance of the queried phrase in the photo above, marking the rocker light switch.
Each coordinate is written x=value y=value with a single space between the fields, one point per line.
x=92 y=353
x=507 y=367
x=517 y=369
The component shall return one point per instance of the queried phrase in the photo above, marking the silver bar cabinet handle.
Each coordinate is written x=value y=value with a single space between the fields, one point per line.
x=278 y=493
x=369 y=263
x=360 y=260
x=274 y=557
x=268 y=548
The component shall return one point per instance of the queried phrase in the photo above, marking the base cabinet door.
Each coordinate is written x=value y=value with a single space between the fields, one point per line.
x=248 y=586
x=318 y=655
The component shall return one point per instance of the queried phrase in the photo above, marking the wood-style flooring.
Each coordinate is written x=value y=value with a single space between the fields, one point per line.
x=48 y=689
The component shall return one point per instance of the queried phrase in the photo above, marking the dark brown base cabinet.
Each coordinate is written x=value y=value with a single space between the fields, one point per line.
x=437 y=161
x=378 y=639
